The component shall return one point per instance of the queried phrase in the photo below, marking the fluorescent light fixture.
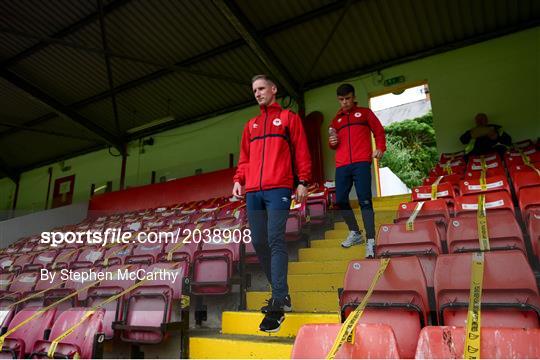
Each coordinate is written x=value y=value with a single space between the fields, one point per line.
x=163 y=120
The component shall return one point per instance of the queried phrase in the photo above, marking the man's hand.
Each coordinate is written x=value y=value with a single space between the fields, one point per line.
x=333 y=140
x=238 y=190
x=377 y=154
x=301 y=193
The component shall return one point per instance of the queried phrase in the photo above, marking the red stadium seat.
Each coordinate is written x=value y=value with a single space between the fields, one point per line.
x=436 y=210
x=108 y=288
x=452 y=179
x=533 y=226
x=503 y=230
x=491 y=161
x=509 y=296
x=439 y=170
x=494 y=183
x=513 y=158
x=497 y=201
x=42 y=260
x=372 y=341
x=148 y=313
x=529 y=200
x=447 y=342
x=20 y=343
x=81 y=343
x=444 y=191
x=213 y=268
x=317 y=205
x=445 y=157
x=424 y=241
x=89 y=256
x=524 y=179
x=295 y=221
x=399 y=300
x=146 y=253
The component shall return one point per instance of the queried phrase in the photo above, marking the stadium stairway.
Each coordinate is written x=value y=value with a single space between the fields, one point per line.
x=313 y=283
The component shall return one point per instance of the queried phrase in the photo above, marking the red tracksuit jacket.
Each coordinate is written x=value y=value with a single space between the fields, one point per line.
x=265 y=155
x=353 y=130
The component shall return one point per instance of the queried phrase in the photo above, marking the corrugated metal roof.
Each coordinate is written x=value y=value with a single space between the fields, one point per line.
x=146 y=37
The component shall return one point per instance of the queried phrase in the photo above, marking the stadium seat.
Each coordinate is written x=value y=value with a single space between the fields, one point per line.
x=529 y=200
x=496 y=171
x=213 y=267
x=533 y=226
x=473 y=186
x=295 y=221
x=17 y=262
x=108 y=288
x=115 y=255
x=447 y=342
x=513 y=158
x=19 y=344
x=503 y=230
x=371 y=341
x=439 y=170
x=317 y=205
x=524 y=179
x=330 y=186
x=432 y=210
x=18 y=288
x=146 y=253
x=444 y=191
x=64 y=258
x=509 y=296
x=452 y=179
x=148 y=314
x=445 y=157
x=42 y=260
x=497 y=201
x=399 y=299
x=424 y=241
x=491 y=161
x=88 y=257
x=84 y=342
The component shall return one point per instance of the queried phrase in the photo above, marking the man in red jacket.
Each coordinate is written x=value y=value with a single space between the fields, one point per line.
x=350 y=135
x=273 y=152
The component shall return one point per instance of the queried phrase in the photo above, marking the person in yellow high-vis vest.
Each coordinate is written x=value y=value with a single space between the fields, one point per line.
x=485 y=138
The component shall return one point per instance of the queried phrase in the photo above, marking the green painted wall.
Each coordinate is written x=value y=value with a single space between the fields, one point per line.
x=500 y=77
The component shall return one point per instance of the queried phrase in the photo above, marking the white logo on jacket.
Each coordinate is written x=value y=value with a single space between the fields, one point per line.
x=339 y=120
x=255 y=125
x=276 y=122
x=357 y=114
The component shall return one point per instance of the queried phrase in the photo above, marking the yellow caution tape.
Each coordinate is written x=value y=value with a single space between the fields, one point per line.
x=409 y=226
x=483 y=185
x=481 y=221
x=472 y=336
x=41 y=311
x=434 y=188
x=87 y=314
x=346 y=333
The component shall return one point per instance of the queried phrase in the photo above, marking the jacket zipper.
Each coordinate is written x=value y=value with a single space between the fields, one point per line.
x=349 y=123
x=264 y=145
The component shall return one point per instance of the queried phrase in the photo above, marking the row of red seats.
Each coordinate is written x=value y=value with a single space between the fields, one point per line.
x=127 y=316
x=510 y=297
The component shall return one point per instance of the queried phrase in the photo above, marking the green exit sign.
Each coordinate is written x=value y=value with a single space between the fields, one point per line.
x=395 y=80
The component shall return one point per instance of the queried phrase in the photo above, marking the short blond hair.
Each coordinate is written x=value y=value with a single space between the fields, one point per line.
x=263 y=77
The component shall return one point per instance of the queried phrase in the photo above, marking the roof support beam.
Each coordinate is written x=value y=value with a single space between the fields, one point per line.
x=46 y=132
x=108 y=64
x=112 y=6
x=243 y=26
x=181 y=66
x=60 y=108
x=328 y=40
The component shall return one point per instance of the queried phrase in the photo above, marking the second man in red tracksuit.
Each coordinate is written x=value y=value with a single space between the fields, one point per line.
x=350 y=135
x=274 y=159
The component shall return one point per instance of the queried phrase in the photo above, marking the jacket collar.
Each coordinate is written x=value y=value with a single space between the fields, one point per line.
x=272 y=107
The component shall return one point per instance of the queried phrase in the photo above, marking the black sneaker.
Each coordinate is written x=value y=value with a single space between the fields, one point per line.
x=286 y=307
x=272 y=321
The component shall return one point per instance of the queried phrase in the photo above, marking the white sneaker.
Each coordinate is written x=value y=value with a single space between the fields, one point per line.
x=370 y=249
x=354 y=238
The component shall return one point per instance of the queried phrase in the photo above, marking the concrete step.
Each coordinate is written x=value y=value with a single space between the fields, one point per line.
x=221 y=346
x=304 y=301
x=316 y=282
x=318 y=267
x=247 y=323
x=323 y=254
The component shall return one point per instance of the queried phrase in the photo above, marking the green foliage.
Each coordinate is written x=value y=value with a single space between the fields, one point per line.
x=411 y=149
